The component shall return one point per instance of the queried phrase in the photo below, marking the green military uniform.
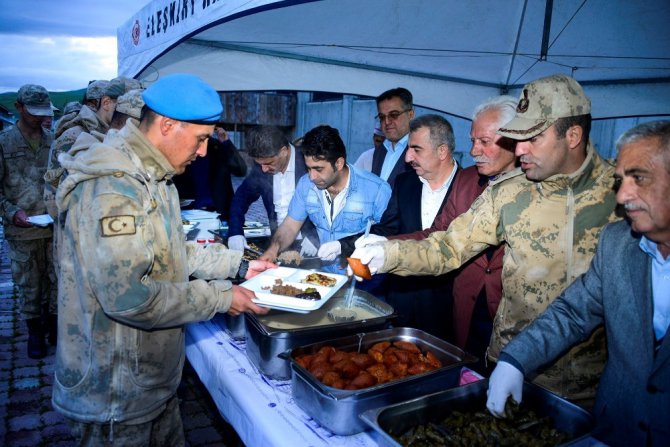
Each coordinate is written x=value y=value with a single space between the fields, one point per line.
x=22 y=168
x=85 y=121
x=550 y=229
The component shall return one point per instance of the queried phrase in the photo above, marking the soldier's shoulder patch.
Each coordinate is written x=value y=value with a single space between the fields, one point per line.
x=117 y=225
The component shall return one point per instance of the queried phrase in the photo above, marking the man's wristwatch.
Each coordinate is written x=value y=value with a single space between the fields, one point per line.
x=244 y=267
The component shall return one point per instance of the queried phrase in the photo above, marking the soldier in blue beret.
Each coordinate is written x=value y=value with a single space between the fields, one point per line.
x=130 y=280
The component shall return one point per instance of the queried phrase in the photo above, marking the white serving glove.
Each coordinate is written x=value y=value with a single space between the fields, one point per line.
x=372 y=255
x=307 y=249
x=237 y=243
x=505 y=381
x=329 y=250
x=369 y=240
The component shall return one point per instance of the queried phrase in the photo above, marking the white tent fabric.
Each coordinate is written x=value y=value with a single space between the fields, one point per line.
x=452 y=54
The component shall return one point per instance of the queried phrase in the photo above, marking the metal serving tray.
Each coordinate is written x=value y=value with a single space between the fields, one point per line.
x=272 y=334
x=339 y=410
x=398 y=418
x=233 y=325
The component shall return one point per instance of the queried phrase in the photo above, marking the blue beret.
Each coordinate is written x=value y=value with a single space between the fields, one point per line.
x=184 y=97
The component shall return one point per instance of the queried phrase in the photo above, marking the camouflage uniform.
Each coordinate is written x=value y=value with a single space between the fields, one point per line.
x=85 y=121
x=21 y=178
x=124 y=290
x=551 y=229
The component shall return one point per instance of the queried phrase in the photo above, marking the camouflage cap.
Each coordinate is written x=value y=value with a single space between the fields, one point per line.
x=131 y=103
x=36 y=100
x=72 y=106
x=128 y=83
x=96 y=89
x=542 y=103
x=115 y=88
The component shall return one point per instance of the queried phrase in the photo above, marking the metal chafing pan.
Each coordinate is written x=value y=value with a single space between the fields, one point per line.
x=394 y=420
x=278 y=331
x=338 y=410
x=233 y=325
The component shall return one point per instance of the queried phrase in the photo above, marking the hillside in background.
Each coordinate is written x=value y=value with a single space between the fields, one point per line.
x=59 y=99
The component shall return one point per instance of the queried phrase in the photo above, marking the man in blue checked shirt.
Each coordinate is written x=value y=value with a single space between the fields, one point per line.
x=338 y=198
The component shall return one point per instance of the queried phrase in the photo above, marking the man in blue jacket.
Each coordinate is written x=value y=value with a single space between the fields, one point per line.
x=626 y=289
x=336 y=197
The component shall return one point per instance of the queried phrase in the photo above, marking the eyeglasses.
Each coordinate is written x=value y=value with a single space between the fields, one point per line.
x=392 y=116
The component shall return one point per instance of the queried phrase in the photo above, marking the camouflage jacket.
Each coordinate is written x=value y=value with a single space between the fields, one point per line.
x=124 y=292
x=67 y=131
x=21 y=181
x=550 y=229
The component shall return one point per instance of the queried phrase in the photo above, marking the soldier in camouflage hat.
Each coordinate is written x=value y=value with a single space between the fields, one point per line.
x=94 y=116
x=129 y=105
x=126 y=289
x=24 y=149
x=549 y=220
x=128 y=83
x=72 y=106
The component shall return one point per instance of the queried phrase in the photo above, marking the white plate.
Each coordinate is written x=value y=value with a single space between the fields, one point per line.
x=42 y=220
x=293 y=277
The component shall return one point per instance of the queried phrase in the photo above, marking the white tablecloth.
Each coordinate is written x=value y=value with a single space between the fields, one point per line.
x=261 y=410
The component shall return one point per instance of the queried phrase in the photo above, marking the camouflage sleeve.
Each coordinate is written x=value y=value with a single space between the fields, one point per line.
x=212 y=262
x=127 y=271
x=7 y=208
x=443 y=251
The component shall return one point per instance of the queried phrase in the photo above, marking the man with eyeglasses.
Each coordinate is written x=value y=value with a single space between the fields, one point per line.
x=278 y=165
x=24 y=150
x=395 y=109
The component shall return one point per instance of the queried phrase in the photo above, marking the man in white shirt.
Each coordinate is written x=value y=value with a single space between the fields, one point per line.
x=395 y=109
x=278 y=167
x=417 y=198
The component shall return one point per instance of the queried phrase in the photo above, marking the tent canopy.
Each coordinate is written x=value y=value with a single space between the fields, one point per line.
x=452 y=54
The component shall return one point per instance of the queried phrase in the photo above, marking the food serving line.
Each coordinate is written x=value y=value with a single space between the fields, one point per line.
x=253 y=367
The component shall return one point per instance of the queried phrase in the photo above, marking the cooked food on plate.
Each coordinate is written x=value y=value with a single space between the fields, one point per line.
x=279 y=288
x=319 y=279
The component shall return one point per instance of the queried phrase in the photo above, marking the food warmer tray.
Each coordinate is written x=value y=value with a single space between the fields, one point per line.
x=339 y=410
x=396 y=419
x=272 y=334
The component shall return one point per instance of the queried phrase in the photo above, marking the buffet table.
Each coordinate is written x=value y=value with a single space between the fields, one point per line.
x=261 y=410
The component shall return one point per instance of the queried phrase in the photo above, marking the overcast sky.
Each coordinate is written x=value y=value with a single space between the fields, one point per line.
x=60 y=44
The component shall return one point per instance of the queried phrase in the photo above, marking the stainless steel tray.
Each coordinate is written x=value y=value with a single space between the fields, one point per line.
x=273 y=334
x=398 y=418
x=338 y=410
x=233 y=325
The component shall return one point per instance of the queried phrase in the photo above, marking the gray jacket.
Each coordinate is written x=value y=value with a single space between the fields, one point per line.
x=633 y=401
x=124 y=290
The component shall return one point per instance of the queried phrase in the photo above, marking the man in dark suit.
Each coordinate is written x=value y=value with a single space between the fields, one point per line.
x=395 y=109
x=626 y=290
x=278 y=167
x=417 y=198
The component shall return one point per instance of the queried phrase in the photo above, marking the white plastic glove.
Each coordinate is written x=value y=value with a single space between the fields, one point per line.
x=330 y=250
x=237 y=243
x=307 y=249
x=369 y=240
x=505 y=381
x=372 y=255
